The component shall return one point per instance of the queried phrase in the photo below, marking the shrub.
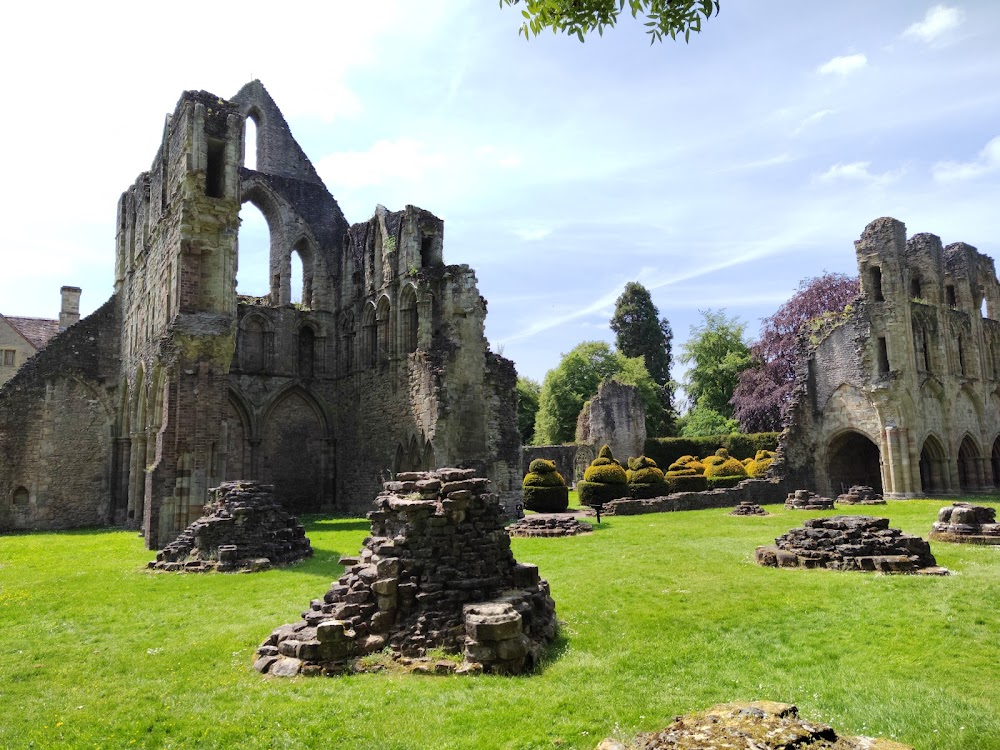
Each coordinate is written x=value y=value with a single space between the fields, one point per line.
x=603 y=481
x=684 y=471
x=645 y=479
x=596 y=494
x=693 y=483
x=718 y=483
x=666 y=451
x=545 y=490
x=761 y=463
x=728 y=467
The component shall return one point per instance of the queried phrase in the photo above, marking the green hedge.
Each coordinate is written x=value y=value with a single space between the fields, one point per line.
x=546 y=499
x=596 y=494
x=696 y=483
x=666 y=451
x=645 y=491
x=718 y=483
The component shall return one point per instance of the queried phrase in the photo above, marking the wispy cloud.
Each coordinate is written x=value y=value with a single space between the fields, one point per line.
x=843 y=65
x=857 y=171
x=936 y=25
x=812 y=119
x=771 y=161
x=987 y=161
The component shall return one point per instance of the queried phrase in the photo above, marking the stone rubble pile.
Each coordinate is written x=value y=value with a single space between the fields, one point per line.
x=850 y=543
x=748 y=508
x=435 y=575
x=554 y=524
x=806 y=500
x=760 y=725
x=860 y=494
x=965 y=523
x=244 y=528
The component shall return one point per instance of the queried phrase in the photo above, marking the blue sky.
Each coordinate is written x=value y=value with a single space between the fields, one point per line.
x=718 y=173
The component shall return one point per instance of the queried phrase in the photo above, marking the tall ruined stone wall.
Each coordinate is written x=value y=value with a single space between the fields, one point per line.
x=906 y=387
x=615 y=417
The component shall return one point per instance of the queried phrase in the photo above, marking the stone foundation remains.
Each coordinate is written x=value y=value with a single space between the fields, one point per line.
x=861 y=494
x=763 y=725
x=964 y=523
x=806 y=500
x=244 y=528
x=850 y=543
x=549 y=524
x=436 y=574
x=747 y=508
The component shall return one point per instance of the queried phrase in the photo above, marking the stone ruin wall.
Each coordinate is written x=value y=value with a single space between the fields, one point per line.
x=906 y=390
x=384 y=368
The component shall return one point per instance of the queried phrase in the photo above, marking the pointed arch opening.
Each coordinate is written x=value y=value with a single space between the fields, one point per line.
x=408 y=320
x=250 y=140
x=348 y=332
x=382 y=339
x=933 y=467
x=253 y=252
x=369 y=336
x=854 y=460
x=307 y=352
x=995 y=462
x=969 y=466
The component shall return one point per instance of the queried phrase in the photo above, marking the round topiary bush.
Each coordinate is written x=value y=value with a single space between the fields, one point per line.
x=645 y=479
x=686 y=462
x=760 y=464
x=544 y=488
x=728 y=467
x=603 y=481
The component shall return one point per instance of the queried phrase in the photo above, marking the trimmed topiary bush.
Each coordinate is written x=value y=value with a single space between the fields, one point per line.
x=666 y=451
x=692 y=483
x=725 y=467
x=760 y=464
x=644 y=478
x=718 y=483
x=544 y=488
x=603 y=481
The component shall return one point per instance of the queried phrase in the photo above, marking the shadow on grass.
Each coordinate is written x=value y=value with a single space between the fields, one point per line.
x=553 y=652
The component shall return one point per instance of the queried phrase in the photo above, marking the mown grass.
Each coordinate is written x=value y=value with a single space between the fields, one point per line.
x=661 y=614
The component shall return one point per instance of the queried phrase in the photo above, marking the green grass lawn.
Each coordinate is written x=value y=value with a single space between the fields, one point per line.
x=661 y=614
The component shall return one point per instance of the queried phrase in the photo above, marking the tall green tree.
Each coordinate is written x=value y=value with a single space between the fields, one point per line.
x=528 y=392
x=641 y=332
x=580 y=17
x=576 y=379
x=717 y=353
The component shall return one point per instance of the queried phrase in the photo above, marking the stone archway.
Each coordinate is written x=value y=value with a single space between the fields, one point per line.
x=970 y=467
x=933 y=467
x=995 y=462
x=853 y=459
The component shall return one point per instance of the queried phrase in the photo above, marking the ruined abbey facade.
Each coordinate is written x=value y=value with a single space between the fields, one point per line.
x=903 y=392
x=176 y=384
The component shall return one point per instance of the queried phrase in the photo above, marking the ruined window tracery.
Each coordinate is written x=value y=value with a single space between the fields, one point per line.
x=347 y=344
x=408 y=321
x=255 y=345
x=369 y=335
x=307 y=352
x=382 y=339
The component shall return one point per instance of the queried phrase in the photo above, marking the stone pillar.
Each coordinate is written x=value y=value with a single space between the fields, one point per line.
x=69 y=311
x=905 y=471
x=892 y=467
x=981 y=473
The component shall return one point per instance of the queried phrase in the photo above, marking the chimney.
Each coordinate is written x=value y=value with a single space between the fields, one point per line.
x=69 y=313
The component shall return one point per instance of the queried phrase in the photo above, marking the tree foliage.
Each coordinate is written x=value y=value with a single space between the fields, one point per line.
x=641 y=332
x=702 y=422
x=581 y=17
x=528 y=391
x=761 y=397
x=576 y=379
x=717 y=354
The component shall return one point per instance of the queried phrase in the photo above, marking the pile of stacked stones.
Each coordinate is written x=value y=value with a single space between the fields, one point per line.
x=747 y=508
x=850 y=543
x=549 y=524
x=806 y=500
x=436 y=575
x=966 y=523
x=860 y=494
x=244 y=528
x=763 y=725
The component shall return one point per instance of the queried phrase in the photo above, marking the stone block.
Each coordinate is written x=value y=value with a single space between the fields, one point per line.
x=492 y=622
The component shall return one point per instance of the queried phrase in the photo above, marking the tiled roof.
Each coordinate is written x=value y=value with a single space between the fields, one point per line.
x=37 y=330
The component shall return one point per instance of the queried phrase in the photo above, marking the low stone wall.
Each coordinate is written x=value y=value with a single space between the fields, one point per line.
x=549 y=525
x=760 y=491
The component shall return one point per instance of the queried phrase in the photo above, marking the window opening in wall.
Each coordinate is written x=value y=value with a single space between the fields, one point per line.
x=927 y=351
x=949 y=295
x=254 y=253
x=250 y=143
x=215 y=174
x=883 y=356
x=915 y=287
x=307 y=352
x=297 y=280
x=21 y=496
x=8 y=357
x=875 y=274
x=961 y=357
x=426 y=251
x=984 y=310
x=408 y=321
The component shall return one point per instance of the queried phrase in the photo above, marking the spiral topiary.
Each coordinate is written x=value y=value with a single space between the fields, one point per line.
x=645 y=479
x=544 y=488
x=729 y=467
x=603 y=481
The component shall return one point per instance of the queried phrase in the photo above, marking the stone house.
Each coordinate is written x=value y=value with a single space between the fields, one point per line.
x=22 y=338
x=176 y=384
x=902 y=392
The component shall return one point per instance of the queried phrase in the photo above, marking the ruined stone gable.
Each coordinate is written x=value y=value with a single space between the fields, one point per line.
x=383 y=367
x=902 y=392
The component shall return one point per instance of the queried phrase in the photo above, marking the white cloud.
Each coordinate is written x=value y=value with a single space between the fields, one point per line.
x=938 y=21
x=812 y=119
x=856 y=171
x=988 y=161
x=400 y=159
x=843 y=65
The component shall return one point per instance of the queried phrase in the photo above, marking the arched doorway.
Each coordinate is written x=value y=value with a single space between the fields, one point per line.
x=995 y=462
x=933 y=467
x=854 y=459
x=969 y=466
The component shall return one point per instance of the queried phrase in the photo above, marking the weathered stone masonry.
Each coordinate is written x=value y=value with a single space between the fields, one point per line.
x=383 y=367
